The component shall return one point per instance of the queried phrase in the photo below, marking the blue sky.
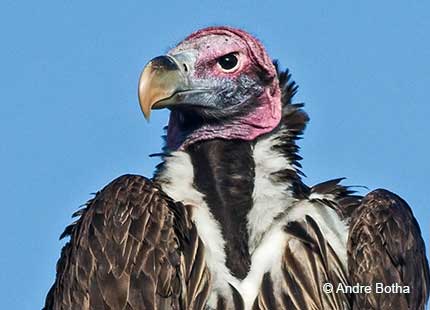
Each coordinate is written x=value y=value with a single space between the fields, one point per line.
x=70 y=121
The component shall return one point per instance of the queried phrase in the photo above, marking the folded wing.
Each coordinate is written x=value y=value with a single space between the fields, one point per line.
x=131 y=248
x=385 y=246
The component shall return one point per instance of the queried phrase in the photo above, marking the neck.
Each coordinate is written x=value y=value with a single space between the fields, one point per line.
x=259 y=121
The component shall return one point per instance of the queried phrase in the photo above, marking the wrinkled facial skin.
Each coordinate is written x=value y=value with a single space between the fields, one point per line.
x=230 y=93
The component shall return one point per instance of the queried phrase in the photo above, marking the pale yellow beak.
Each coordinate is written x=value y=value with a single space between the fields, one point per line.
x=160 y=80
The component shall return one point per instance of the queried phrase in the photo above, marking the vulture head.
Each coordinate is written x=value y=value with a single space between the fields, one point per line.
x=218 y=82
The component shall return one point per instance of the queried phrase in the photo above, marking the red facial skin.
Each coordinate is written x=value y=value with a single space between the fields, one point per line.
x=224 y=40
x=210 y=44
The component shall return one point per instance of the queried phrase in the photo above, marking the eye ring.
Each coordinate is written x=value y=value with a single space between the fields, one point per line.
x=228 y=62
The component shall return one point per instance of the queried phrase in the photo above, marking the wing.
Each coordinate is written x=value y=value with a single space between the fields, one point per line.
x=132 y=248
x=385 y=246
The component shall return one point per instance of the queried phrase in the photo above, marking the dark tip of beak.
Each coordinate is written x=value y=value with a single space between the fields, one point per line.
x=164 y=62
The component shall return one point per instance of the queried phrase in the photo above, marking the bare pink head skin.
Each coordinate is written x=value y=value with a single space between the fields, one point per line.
x=210 y=44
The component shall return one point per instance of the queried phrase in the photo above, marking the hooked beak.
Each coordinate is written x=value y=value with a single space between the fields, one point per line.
x=160 y=80
x=165 y=82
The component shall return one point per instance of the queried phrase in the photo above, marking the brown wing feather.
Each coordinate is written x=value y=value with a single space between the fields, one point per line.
x=385 y=245
x=132 y=248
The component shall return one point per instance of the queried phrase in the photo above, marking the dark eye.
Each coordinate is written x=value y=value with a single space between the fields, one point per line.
x=228 y=62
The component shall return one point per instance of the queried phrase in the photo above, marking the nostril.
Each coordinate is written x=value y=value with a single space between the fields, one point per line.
x=185 y=67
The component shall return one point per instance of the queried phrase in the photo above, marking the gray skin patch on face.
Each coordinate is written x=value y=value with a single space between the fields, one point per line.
x=228 y=98
x=237 y=97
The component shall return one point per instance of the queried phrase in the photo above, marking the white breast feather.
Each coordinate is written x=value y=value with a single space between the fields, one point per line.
x=334 y=230
x=177 y=181
x=270 y=198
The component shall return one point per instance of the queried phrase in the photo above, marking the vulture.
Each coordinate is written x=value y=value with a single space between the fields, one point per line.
x=227 y=222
